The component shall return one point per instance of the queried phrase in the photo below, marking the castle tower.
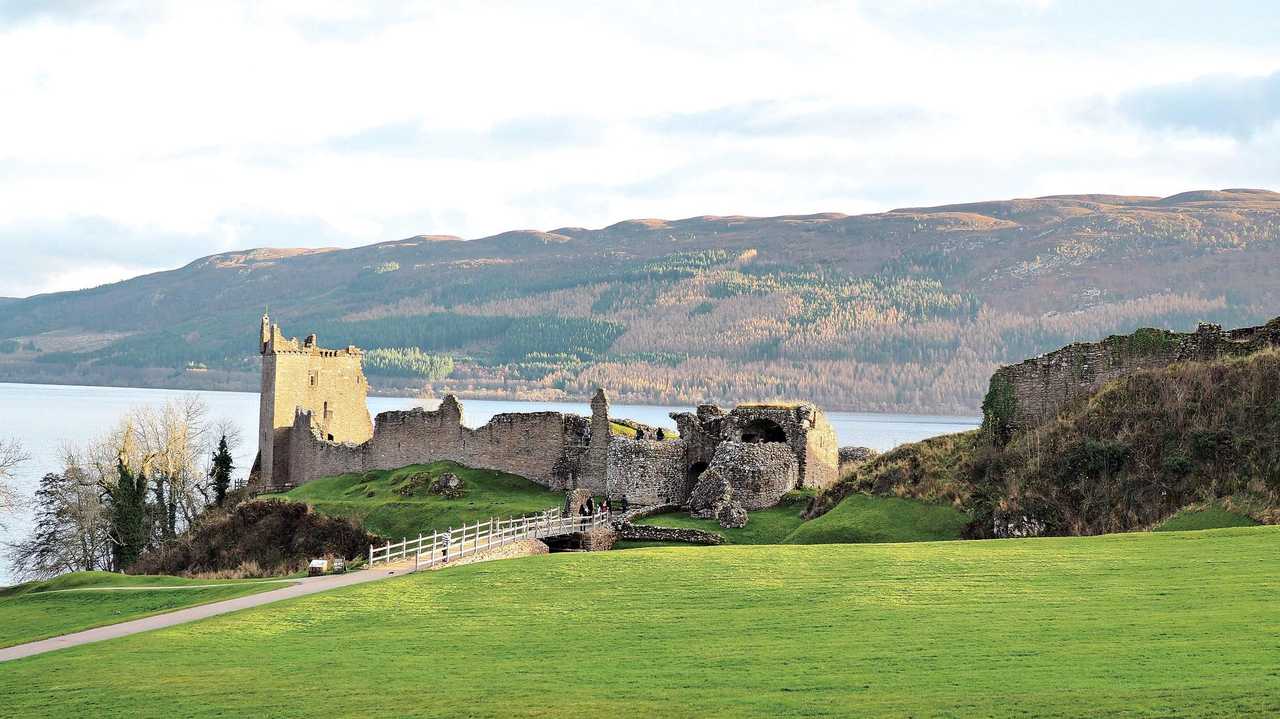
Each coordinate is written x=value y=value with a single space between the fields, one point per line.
x=303 y=377
x=595 y=472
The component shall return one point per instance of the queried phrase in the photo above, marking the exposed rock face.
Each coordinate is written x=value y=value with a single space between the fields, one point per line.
x=850 y=456
x=448 y=485
x=731 y=515
x=1032 y=392
x=1011 y=526
x=415 y=482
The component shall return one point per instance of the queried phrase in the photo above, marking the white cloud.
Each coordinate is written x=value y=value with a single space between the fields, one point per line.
x=194 y=128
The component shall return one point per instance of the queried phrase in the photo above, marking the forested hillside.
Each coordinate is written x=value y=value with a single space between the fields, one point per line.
x=904 y=310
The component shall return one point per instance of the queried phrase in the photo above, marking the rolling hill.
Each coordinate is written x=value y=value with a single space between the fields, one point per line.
x=906 y=310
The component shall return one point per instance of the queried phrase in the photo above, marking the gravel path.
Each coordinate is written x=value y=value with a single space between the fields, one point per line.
x=301 y=587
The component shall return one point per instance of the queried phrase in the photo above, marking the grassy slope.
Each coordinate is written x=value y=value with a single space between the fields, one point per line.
x=38 y=610
x=1146 y=446
x=1130 y=456
x=1210 y=517
x=1170 y=624
x=858 y=518
x=488 y=494
x=863 y=518
x=767 y=526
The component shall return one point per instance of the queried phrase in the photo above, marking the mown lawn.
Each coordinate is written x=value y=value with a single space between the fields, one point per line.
x=1153 y=625
x=372 y=498
x=858 y=518
x=83 y=600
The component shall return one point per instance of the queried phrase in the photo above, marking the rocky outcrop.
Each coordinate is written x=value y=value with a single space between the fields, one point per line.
x=731 y=515
x=448 y=485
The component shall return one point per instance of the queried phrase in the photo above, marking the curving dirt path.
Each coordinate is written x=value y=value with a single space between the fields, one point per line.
x=299 y=588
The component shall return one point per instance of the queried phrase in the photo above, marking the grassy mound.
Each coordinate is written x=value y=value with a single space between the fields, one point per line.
x=863 y=518
x=83 y=600
x=767 y=526
x=858 y=518
x=265 y=537
x=1207 y=517
x=1123 y=625
x=1127 y=458
x=938 y=470
x=374 y=498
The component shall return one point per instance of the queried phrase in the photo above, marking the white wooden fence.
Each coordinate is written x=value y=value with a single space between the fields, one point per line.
x=443 y=547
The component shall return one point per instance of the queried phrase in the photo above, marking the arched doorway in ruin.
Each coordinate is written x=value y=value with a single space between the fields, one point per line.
x=763 y=430
x=691 y=476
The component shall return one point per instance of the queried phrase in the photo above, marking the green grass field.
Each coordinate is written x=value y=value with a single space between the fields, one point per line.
x=372 y=499
x=1138 y=625
x=83 y=600
x=858 y=518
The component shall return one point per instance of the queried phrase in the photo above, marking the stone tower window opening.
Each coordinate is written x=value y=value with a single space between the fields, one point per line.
x=761 y=430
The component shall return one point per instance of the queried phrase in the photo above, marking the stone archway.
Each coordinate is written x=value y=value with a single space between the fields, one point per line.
x=691 y=475
x=761 y=430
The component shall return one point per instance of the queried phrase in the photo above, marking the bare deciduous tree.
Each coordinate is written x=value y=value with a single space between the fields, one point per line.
x=71 y=530
x=11 y=455
x=169 y=445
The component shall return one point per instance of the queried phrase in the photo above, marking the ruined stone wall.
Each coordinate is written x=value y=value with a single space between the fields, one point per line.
x=1034 y=391
x=647 y=471
x=329 y=384
x=312 y=456
x=808 y=434
x=821 y=467
x=545 y=447
x=756 y=475
x=594 y=471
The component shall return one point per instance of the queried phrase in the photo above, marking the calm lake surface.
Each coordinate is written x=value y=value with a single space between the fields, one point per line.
x=45 y=417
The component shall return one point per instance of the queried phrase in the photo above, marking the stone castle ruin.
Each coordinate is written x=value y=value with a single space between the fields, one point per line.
x=314 y=422
x=1033 y=392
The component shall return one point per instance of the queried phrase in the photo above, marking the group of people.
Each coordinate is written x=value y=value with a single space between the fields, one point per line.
x=589 y=509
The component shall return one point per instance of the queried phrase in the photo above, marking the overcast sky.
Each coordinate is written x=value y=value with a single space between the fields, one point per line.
x=140 y=136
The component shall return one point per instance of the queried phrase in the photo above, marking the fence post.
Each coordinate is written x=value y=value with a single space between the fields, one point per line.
x=370 y=556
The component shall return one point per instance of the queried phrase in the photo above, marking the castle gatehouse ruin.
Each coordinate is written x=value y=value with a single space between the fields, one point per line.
x=314 y=422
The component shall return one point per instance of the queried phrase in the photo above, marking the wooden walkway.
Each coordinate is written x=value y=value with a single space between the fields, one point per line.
x=427 y=551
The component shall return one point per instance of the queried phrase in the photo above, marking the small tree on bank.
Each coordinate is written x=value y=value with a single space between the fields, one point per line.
x=127 y=503
x=220 y=472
